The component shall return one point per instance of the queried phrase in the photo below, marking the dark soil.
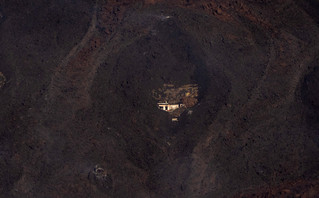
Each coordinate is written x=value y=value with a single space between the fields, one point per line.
x=78 y=118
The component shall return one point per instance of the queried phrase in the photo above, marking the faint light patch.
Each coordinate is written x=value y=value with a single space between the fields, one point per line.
x=2 y=17
x=153 y=32
x=160 y=17
x=164 y=18
x=2 y=80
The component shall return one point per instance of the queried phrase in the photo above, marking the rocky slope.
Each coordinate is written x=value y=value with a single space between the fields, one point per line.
x=78 y=118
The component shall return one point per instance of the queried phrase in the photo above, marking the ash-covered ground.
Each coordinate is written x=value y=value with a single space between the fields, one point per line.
x=78 y=116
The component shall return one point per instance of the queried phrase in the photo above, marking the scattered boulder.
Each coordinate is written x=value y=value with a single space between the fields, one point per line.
x=101 y=178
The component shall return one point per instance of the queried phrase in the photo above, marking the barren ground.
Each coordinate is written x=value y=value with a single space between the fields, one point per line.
x=78 y=118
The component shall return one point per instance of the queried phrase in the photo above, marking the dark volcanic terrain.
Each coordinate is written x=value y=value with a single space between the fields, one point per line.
x=78 y=117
